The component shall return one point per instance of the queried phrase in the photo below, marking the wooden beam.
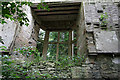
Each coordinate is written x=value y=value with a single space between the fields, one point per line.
x=58 y=42
x=58 y=17
x=57 y=9
x=70 y=43
x=38 y=21
x=58 y=13
x=45 y=46
x=57 y=54
x=51 y=5
x=61 y=30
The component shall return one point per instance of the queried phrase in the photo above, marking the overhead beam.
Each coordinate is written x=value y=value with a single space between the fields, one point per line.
x=58 y=13
x=37 y=20
x=58 y=17
x=50 y=5
x=58 y=42
x=56 y=30
x=57 y=9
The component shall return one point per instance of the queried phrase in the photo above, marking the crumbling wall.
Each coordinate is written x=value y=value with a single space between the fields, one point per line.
x=27 y=34
x=98 y=67
x=7 y=32
x=15 y=36
x=81 y=36
x=102 y=39
x=102 y=43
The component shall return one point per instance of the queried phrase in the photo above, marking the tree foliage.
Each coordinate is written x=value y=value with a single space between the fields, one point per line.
x=14 y=12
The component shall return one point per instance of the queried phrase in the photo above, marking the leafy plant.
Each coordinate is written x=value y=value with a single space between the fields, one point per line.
x=15 y=69
x=3 y=48
x=66 y=61
x=13 y=11
x=28 y=51
x=103 y=20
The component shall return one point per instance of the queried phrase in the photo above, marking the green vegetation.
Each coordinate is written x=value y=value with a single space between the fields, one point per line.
x=17 y=68
x=13 y=10
x=103 y=20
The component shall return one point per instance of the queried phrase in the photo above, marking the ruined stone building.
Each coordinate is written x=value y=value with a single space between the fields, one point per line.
x=99 y=42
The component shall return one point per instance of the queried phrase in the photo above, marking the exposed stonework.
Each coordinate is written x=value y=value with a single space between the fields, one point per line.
x=7 y=32
x=27 y=35
x=100 y=66
x=99 y=39
x=109 y=39
x=95 y=67
x=81 y=32
x=16 y=36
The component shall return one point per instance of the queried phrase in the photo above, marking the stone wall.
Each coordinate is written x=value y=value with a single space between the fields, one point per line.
x=119 y=25
x=98 y=38
x=96 y=67
x=105 y=41
x=27 y=35
x=102 y=44
x=7 y=32
x=101 y=66
x=16 y=36
x=81 y=32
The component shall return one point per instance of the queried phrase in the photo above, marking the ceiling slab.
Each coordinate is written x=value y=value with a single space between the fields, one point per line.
x=61 y=16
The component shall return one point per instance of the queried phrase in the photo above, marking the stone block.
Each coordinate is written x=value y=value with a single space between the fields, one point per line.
x=51 y=72
x=50 y=64
x=99 y=7
x=91 y=48
x=106 y=41
x=51 y=69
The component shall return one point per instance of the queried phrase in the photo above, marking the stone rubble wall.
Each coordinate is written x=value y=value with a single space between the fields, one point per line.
x=99 y=39
x=101 y=67
x=102 y=44
x=96 y=67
